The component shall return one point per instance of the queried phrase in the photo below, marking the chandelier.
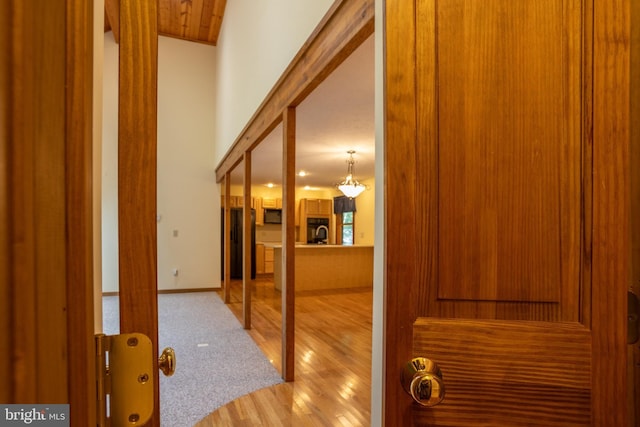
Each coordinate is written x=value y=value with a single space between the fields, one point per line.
x=350 y=187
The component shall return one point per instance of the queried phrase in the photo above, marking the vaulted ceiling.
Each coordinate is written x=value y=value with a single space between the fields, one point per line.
x=193 y=20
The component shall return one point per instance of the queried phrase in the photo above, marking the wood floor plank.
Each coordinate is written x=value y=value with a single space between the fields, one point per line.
x=332 y=386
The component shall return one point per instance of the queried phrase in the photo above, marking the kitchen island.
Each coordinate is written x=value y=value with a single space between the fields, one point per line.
x=327 y=267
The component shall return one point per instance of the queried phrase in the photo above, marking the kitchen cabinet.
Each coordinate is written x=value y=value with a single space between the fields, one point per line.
x=268 y=259
x=272 y=203
x=321 y=267
x=236 y=201
x=264 y=259
x=313 y=208
x=321 y=207
x=259 y=258
x=259 y=208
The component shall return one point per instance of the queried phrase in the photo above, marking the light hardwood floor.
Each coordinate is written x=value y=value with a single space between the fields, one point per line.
x=332 y=384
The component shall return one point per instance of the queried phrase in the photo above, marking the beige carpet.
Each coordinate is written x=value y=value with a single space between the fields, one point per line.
x=217 y=361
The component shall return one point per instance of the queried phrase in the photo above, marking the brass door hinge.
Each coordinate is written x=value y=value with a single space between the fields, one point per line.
x=124 y=380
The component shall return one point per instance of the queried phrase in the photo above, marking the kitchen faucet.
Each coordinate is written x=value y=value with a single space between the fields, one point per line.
x=326 y=232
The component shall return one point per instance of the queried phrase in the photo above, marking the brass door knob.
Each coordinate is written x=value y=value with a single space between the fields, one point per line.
x=422 y=379
x=167 y=362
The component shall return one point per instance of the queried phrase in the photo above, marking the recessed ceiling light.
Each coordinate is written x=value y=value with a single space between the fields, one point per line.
x=270 y=185
x=302 y=173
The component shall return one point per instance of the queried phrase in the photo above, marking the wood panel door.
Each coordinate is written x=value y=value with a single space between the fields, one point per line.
x=507 y=148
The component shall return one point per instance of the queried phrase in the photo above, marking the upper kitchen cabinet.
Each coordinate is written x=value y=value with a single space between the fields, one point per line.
x=272 y=203
x=259 y=208
x=235 y=201
x=322 y=207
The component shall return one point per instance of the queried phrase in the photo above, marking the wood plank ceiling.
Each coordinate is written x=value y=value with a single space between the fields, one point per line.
x=193 y=20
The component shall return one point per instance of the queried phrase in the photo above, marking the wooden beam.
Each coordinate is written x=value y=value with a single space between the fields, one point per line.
x=137 y=158
x=289 y=245
x=343 y=29
x=247 y=281
x=227 y=239
x=112 y=14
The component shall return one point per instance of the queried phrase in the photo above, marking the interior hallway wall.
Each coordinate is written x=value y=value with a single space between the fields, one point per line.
x=257 y=42
x=188 y=239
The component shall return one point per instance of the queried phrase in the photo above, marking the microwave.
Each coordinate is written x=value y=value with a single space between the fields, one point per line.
x=273 y=216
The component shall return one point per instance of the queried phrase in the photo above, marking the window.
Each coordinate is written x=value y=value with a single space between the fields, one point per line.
x=347 y=228
x=345 y=210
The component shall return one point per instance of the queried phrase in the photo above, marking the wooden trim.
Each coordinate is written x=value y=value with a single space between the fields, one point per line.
x=247 y=282
x=137 y=155
x=79 y=206
x=400 y=139
x=227 y=239
x=343 y=29
x=611 y=233
x=288 y=248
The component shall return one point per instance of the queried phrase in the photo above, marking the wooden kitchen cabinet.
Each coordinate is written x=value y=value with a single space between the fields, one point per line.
x=236 y=201
x=272 y=203
x=268 y=259
x=322 y=207
x=259 y=208
x=260 y=249
x=312 y=208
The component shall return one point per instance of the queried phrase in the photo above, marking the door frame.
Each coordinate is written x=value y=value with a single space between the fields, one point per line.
x=610 y=273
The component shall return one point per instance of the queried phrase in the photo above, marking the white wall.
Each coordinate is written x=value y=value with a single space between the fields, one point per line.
x=187 y=192
x=258 y=40
x=110 y=165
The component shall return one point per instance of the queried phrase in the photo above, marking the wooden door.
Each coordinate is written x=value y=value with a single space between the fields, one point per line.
x=46 y=289
x=507 y=149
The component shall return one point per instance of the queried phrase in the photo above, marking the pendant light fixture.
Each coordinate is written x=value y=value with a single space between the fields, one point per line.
x=350 y=187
